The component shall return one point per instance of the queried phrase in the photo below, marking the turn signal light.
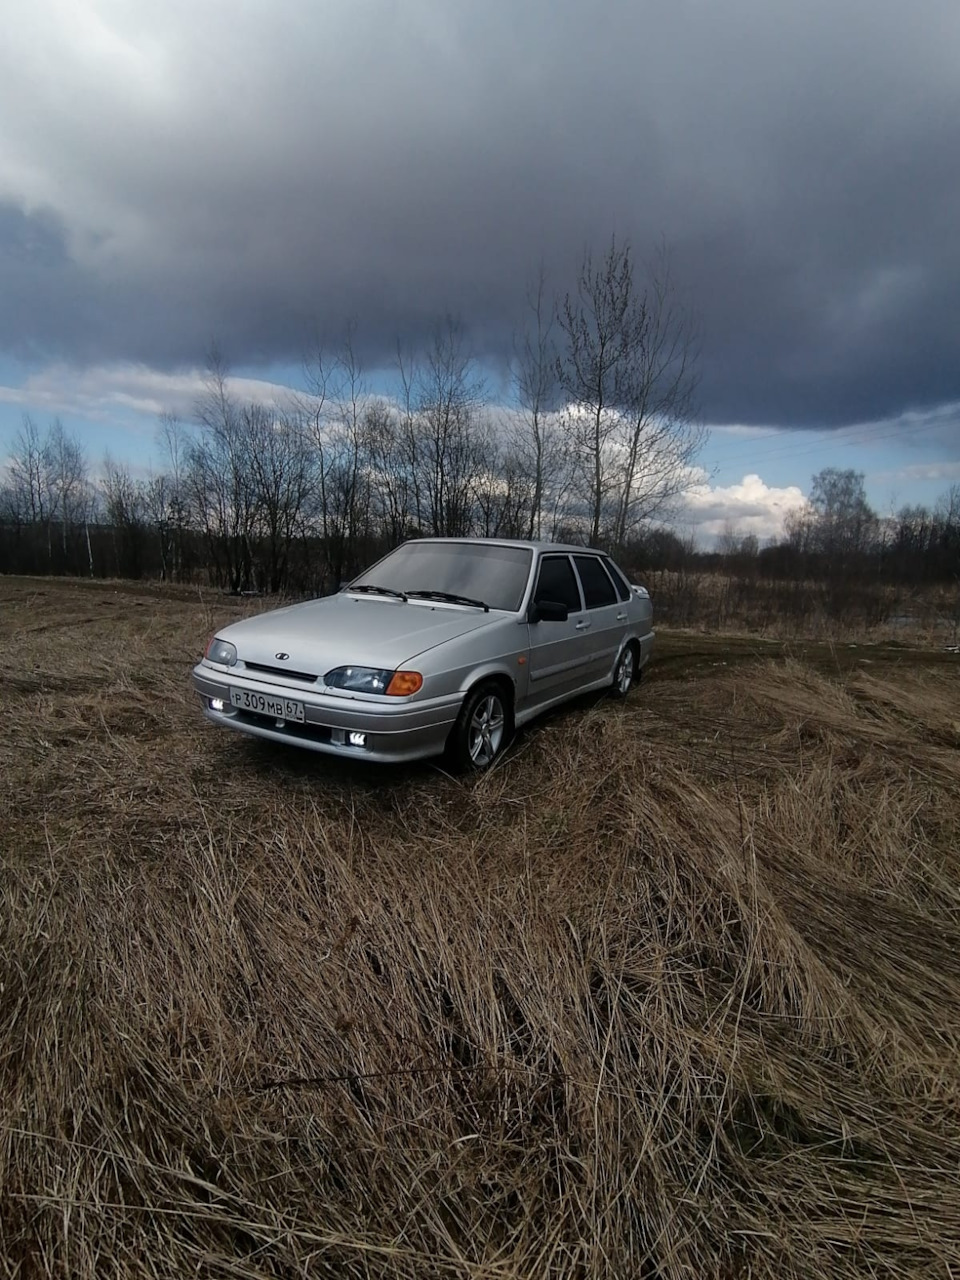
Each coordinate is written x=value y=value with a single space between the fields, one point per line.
x=404 y=682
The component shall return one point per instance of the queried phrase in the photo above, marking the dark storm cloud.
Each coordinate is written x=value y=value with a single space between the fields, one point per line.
x=247 y=173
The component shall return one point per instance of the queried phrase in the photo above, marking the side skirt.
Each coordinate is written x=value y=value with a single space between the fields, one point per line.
x=531 y=713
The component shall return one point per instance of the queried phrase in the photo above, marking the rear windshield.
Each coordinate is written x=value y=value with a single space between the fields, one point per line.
x=495 y=575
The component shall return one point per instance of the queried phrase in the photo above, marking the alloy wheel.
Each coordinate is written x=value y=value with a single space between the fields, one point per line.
x=485 y=732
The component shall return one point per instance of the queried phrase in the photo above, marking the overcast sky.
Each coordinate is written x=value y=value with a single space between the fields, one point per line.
x=177 y=172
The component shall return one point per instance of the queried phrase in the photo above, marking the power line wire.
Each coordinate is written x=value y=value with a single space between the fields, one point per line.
x=832 y=438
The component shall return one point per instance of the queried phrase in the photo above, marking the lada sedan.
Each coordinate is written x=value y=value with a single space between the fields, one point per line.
x=444 y=645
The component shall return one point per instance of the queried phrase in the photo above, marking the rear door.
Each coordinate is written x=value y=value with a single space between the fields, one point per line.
x=559 y=651
x=606 y=614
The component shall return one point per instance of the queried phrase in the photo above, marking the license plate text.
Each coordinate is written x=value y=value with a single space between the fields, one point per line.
x=265 y=704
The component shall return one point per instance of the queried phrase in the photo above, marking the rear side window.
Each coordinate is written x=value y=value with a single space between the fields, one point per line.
x=557 y=583
x=619 y=581
x=597 y=587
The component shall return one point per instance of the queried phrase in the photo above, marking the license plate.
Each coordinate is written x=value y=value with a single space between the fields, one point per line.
x=264 y=704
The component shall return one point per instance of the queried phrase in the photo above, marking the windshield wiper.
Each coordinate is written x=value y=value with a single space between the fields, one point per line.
x=376 y=590
x=449 y=597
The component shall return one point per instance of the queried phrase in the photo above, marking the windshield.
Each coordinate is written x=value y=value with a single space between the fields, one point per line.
x=495 y=575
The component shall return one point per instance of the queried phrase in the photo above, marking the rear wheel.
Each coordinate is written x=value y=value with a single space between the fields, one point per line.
x=625 y=672
x=482 y=728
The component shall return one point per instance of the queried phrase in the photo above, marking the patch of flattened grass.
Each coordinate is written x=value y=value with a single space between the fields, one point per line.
x=674 y=991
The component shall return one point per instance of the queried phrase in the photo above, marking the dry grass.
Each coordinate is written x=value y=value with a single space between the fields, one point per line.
x=674 y=992
x=785 y=609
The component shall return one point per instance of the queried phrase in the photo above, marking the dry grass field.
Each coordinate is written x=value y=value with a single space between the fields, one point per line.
x=673 y=992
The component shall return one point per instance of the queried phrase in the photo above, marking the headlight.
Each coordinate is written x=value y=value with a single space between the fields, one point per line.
x=222 y=652
x=358 y=679
x=374 y=680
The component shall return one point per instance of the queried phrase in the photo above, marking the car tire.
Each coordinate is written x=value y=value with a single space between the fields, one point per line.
x=625 y=672
x=482 y=728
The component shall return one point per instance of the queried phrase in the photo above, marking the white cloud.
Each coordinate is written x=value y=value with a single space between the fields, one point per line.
x=751 y=506
x=104 y=392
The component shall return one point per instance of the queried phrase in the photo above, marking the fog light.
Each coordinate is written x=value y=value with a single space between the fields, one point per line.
x=358 y=739
x=216 y=704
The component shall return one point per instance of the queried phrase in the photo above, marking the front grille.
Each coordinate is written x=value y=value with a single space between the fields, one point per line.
x=304 y=676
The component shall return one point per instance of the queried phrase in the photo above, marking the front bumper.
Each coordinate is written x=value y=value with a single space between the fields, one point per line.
x=405 y=731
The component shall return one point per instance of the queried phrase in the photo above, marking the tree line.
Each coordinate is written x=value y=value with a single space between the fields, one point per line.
x=598 y=443
x=597 y=446
x=836 y=536
x=838 y=568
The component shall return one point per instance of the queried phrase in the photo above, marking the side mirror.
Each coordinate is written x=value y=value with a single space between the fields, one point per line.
x=548 y=611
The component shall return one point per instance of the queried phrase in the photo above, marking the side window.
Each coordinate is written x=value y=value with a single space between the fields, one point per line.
x=597 y=587
x=619 y=581
x=557 y=582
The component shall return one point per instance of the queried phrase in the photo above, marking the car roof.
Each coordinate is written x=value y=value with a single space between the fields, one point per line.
x=542 y=545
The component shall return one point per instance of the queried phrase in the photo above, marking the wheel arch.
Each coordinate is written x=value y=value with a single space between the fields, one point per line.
x=496 y=675
x=631 y=642
x=506 y=687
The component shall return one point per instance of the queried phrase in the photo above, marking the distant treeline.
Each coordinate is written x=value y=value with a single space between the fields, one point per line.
x=254 y=502
x=296 y=498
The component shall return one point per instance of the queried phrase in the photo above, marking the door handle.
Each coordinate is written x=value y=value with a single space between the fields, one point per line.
x=582 y=626
x=621 y=617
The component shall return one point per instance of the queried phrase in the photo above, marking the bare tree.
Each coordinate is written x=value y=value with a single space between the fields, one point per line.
x=602 y=327
x=503 y=493
x=443 y=394
x=391 y=479
x=947 y=548
x=320 y=370
x=49 y=477
x=348 y=487
x=658 y=436
x=283 y=480
x=627 y=371
x=947 y=516
x=537 y=455
x=158 y=497
x=16 y=528
x=28 y=472
x=221 y=482
x=66 y=469
x=338 y=413
x=837 y=523
x=125 y=510
x=168 y=497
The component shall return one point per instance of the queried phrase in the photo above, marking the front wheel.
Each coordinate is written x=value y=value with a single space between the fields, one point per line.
x=482 y=728
x=624 y=672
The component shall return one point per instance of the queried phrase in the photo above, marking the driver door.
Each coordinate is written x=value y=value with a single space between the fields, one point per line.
x=559 y=651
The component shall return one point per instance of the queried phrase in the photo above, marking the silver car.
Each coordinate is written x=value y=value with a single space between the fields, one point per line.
x=446 y=644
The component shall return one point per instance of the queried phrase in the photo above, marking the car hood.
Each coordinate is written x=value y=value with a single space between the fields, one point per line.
x=360 y=631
